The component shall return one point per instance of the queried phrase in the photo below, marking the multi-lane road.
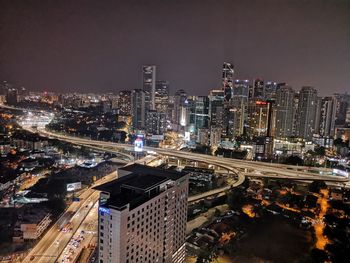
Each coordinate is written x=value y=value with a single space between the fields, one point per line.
x=54 y=241
x=53 y=244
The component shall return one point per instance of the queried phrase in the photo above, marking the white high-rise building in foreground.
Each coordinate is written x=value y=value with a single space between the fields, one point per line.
x=142 y=216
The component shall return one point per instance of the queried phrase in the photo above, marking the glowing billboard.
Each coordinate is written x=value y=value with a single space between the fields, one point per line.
x=138 y=144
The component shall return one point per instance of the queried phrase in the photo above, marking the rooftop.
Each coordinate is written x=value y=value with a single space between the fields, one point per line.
x=138 y=186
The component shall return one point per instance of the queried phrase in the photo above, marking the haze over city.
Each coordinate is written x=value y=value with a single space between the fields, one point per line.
x=100 y=46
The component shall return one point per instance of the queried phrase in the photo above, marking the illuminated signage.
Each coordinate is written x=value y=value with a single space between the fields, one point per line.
x=260 y=102
x=138 y=144
x=104 y=210
x=73 y=186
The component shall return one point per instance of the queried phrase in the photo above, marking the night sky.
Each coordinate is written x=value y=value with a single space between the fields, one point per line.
x=100 y=45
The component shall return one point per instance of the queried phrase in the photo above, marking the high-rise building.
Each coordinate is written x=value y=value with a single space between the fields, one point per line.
x=142 y=216
x=138 y=109
x=227 y=79
x=198 y=110
x=149 y=85
x=180 y=104
x=215 y=136
x=124 y=102
x=161 y=98
x=156 y=122
x=216 y=107
x=203 y=136
x=12 y=96
x=270 y=90
x=343 y=103
x=258 y=116
x=307 y=112
x=258 y=89
x=327 y=113
x=284 y=112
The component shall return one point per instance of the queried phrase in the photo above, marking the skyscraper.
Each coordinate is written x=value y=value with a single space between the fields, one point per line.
x=270 y=90
x=258 y=89
x=216 y=107
x=198 y=109
x=149 y=85
x=307 y=112
x=155 y=122
x=179 y=118
x=161 y=97
x=11 y=96
x=258 y=115
x=124 y=102
x=142 y=216
x=327 y=115
x=138 y=102
x=284 y=112
x=236 y=109
x=227 y=80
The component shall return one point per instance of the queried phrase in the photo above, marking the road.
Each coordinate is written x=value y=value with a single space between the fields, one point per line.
x=54 y=241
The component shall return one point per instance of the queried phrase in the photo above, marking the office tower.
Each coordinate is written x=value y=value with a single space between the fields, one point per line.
x=258 y=116
x=149 y=85
x=258 y=89
x=284 y=112
x=307 y=112
x=216 y=107
x=124 y=102
x=142 y=216
x=227 y=80
x=12 y=96
x=155 y=122
x=270 y=90
x=138 y=109
x=179 y=117
x=235 y=110
x=326 y=116
x=198 y=110
x=215 y=136
x=161 y=98
x=343 y=103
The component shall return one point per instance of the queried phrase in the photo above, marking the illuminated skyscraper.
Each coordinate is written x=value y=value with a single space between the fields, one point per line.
x=155 y=122
x=142 y=216
x=138 y=102
x=216 y=107
x=307 y=112
x=284 y=112
x=327 y=113
x=258 y=115
x=227 y=80
x=259 y=89
x=180 y=108
x=161 y=99
x=149 y=85
x=124 y=102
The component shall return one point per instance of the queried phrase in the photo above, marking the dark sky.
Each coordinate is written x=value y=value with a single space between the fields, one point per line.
x=100 y=45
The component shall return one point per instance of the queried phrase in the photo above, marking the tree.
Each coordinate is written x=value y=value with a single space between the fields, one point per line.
x=321 y=151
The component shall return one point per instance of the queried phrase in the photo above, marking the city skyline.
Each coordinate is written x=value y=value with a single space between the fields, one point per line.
x=98 y=48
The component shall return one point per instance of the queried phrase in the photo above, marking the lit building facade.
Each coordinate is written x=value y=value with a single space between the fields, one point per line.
x=149 y=85
x=142 y=216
